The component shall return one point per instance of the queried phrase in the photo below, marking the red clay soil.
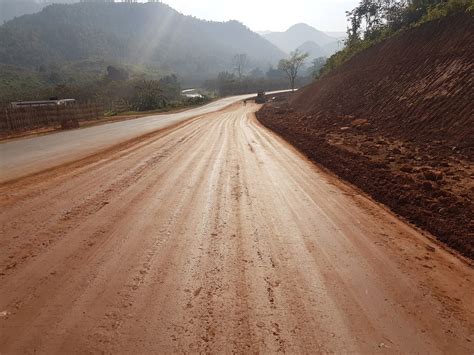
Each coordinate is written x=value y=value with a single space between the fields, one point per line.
x=397 y=120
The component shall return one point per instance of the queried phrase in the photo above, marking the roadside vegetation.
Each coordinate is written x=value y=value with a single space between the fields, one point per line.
x=373 y=21
x=291 y=72
x=291 y=66
x=117 y=88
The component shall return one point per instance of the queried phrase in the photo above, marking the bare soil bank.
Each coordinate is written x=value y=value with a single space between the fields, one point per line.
x=397 y=121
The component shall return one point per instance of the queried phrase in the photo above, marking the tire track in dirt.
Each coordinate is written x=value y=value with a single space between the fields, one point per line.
x=89 y=199
x=219 y=237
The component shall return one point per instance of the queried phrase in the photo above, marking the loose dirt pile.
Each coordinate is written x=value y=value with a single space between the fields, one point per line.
x=397 y=121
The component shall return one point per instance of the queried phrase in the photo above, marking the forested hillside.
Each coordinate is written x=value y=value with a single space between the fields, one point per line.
x=151 y=34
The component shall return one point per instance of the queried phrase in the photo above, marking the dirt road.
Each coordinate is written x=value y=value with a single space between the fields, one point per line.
x=216 y=236
x=28 y=156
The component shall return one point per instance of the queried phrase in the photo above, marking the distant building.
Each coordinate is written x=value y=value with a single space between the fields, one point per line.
x=62 y=102
x=191 y=93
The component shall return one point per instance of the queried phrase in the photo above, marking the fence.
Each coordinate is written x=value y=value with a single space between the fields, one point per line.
x=26 y=118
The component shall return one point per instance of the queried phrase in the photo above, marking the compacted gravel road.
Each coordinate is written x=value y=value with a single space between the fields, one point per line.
x=216 y=236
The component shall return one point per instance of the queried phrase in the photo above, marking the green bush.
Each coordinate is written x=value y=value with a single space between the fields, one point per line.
x=447 y=8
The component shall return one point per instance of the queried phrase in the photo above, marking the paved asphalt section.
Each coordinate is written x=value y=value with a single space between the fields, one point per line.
x=30 y=155
x=216 y=236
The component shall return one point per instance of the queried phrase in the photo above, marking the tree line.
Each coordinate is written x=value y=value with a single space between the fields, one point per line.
x=117 y=89
x=373 y=21
x=290 y=73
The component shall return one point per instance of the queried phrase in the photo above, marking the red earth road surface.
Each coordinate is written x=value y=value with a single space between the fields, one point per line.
x=215 y=235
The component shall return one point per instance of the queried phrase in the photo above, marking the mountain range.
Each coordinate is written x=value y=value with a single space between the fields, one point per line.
x=148 y=34
x=82 y=37
x=306 y=38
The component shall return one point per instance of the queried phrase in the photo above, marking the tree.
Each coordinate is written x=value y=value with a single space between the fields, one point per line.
x=316 y=65
x=148 y=96
x=275 y=74
x=226 y=83
x=292 y=65
x=371 y=18
x=257 y=73
x=171 y=87
x=114 y=73
x=240 y=62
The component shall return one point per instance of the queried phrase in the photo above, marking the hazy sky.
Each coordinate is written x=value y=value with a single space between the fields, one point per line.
x=276 y=15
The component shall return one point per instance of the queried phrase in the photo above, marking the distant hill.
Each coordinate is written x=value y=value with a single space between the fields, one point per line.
x=151 y=34
x=333 y=47
x=9 y=9
x=299 y=34
x=338 y=35
x=314 y=50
